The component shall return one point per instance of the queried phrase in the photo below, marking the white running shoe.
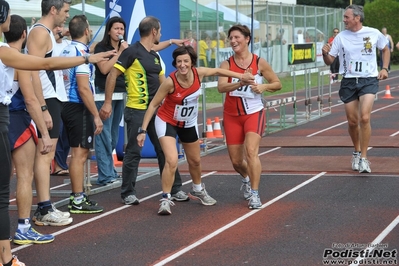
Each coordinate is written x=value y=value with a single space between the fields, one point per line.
x=246 y=186
x=164 y=206
x=180 y=196
x=254 y=202
x=355 y=161
x=61 y=213
x=203 y=196
x=52 y=218
x=364 y=166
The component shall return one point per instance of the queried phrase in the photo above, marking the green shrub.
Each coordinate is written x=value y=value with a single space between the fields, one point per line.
x=384 y=13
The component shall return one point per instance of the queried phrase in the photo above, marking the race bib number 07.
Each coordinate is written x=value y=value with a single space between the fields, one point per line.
x=185 y=112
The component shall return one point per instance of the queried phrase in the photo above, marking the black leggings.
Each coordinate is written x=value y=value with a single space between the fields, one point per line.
x=5 y=172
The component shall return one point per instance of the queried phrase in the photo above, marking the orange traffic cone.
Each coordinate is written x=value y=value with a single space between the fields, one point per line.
x=387 y=93
x=117 y=163
x=209 y=130
x=217 y=129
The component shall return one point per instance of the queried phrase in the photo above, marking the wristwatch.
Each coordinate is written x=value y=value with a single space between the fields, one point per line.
x=142 y=131
x=44 y=108
x=86 y=57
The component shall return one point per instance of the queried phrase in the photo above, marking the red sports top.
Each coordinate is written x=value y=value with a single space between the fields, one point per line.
x=243 y=101
x=180 y=107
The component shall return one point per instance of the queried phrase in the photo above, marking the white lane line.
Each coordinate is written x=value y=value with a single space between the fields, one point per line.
x=394 y=134
x=71 y=227
x=189 y=181
x=326 y=129
x=52 y=188
x=271 y=150
x=339 y=124
x=184 y=183
x=379 y=238
x=62 y=185
x=385 y=107
x=235 y=222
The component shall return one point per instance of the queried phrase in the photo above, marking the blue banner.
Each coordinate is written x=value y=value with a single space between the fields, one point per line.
x=133 y=11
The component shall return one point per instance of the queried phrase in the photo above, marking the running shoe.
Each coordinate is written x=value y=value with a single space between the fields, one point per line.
x=85 y=206
x=15 y=262
x=254 y=202
x=61 y=213
x=164 y=206
x=58 y=218
x=246 y=186
x=52 y=218
x=202 y=196
x=131 y=200
x=108 y=182
x=31 y=237
x=71 y=197
x=364 y=166
x=355 y=161
x=180 y=196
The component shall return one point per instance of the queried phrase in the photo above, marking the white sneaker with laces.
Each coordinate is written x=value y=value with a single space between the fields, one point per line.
x=180 y=196
x=61 y=213
x=54 y=217
x=246 y=186
x=364 y=166
x=164 y=206
x=131 y=200
x=355 y=161
x=254 y=202
x=203 y=196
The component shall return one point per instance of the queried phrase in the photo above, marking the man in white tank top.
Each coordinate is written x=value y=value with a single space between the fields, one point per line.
x=357 y=47
x=50 y=91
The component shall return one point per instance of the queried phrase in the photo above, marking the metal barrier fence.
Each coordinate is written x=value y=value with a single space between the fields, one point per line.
x=313 y=99
x=273 y=27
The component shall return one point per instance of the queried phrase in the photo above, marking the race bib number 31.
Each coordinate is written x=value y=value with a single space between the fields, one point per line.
x=243 y=91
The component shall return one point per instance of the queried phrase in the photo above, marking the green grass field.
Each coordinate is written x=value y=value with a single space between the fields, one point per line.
x=213 y=96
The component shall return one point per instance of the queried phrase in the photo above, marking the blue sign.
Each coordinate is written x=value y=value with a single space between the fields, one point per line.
x=133 y=11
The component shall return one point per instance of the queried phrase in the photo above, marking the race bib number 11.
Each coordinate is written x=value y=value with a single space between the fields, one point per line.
x=361 y=68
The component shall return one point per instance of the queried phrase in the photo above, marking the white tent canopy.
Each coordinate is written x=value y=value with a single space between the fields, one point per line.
x=232 y=15
x=26 y=9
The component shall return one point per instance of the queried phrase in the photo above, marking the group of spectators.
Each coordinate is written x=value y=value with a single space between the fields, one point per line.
x=207 y=45
x=20 y=91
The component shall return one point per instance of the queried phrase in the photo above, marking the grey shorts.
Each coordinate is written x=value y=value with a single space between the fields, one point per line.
x=352 y=88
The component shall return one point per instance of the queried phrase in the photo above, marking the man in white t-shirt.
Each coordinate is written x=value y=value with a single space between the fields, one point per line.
x=356 y=47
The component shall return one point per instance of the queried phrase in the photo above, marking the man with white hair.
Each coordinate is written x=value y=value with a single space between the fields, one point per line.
x=357 y=47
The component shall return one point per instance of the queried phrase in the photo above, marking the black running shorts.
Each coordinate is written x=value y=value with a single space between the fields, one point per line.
x=352 y=88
